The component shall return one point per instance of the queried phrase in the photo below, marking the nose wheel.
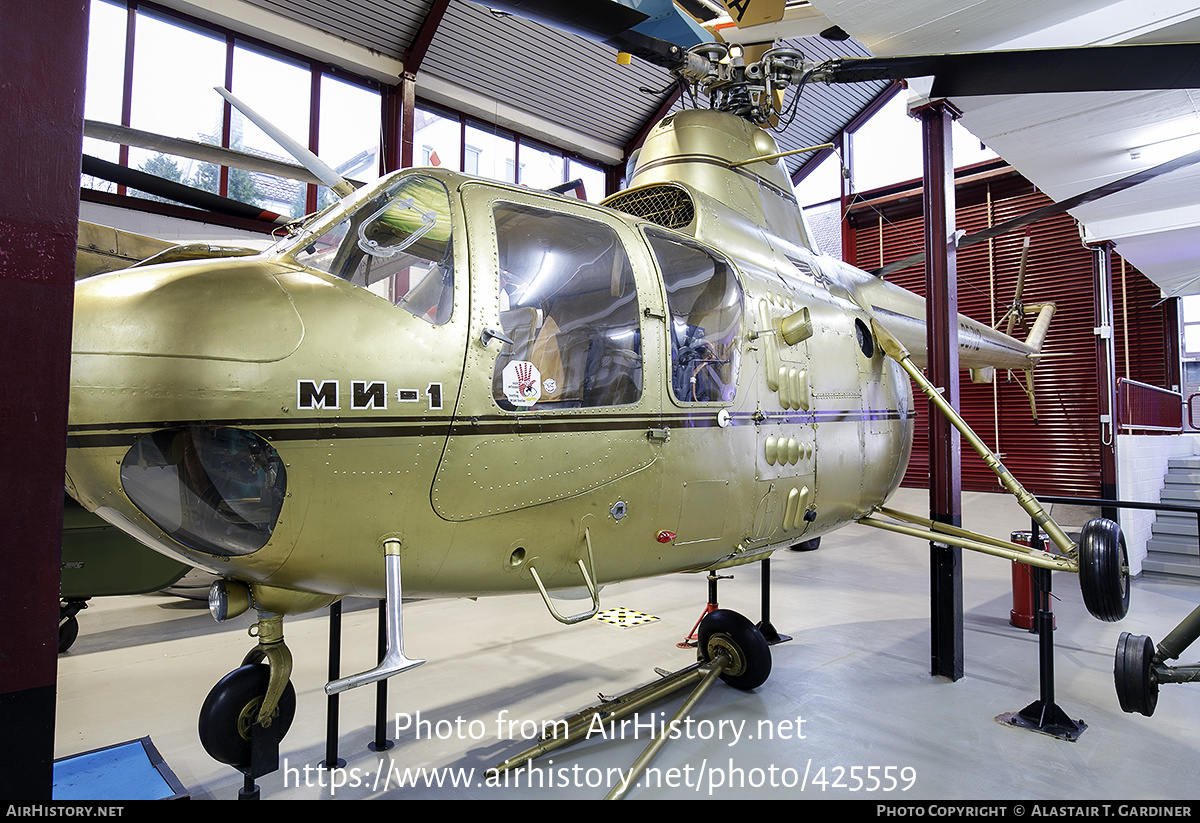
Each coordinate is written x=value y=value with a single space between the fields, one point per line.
x=231 y=710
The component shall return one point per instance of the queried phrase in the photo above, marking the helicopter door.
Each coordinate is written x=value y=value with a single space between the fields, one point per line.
x=704 y=311
x=555 y=384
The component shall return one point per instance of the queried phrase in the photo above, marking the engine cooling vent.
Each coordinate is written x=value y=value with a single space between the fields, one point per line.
x=667 y=205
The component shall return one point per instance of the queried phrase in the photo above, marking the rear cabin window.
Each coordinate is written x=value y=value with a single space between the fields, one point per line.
x=569 y=306
x=704 y=300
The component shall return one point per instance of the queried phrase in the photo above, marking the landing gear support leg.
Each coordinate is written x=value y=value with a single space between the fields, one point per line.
x=731 y=648
x=394 y=660
x=765 y=626
x=1044 y=715
x=1100 y=559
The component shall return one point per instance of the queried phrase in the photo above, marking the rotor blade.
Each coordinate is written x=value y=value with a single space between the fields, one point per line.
x=310 y=161
x=1054 y=209
x=140 y=180
x=1033 y=71
x=653 y=30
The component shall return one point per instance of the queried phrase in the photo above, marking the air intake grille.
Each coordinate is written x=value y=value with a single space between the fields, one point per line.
x=667 y=205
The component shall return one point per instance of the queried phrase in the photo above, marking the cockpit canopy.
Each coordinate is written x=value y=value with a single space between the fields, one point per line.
x=396 y=243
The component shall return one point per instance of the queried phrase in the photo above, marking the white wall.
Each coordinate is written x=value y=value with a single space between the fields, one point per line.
x=1141 y=467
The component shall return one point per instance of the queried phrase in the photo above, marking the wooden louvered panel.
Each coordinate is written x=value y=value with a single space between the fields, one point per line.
x=1060 y=454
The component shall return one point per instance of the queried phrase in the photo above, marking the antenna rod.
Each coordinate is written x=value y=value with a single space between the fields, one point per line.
x=780 y=154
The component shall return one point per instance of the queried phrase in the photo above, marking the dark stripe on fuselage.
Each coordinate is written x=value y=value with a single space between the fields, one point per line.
x=316 y=428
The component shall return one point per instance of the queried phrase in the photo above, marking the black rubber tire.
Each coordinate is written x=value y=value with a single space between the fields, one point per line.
x=1104 y=570
x=68 y=630
x=725 y=629
x=1133 y=673
x=807 y=545
x=232 y=706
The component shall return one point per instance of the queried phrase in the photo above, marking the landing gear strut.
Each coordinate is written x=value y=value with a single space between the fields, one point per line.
x=730 y=648
x=249 y=711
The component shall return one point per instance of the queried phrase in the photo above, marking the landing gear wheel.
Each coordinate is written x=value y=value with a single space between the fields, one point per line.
x=231 y=708
x=807 y=545
x=1133 y=671
x=1104 y=570
x=68 y=630
x=729 y=632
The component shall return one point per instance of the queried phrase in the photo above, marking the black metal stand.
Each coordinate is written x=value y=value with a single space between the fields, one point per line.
x=381 y=743
x=264 y=758
x=768 y=631
x=332 y=761
x=1044 y=715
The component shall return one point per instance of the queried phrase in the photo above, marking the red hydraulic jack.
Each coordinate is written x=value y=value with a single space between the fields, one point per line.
x=690 y=641
x=768 y=631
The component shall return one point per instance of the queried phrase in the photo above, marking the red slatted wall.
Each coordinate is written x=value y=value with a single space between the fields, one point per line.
x=1058 y=455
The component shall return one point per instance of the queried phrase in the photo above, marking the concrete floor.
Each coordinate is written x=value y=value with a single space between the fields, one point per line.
x=850 y=697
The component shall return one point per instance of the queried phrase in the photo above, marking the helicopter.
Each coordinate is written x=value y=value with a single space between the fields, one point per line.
x=444 y=386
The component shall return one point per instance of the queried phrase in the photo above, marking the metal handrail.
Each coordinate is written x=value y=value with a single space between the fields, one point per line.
x=1143 y=407
x=1128 y=504
x=1191 y=411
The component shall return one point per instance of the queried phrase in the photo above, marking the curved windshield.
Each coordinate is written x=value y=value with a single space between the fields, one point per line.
x=217 y=490
x=396 y=244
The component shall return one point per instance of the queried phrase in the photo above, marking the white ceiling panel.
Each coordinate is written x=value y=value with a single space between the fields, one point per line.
x=1067 y=144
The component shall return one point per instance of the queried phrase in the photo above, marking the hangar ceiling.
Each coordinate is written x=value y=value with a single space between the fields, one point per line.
x=570 y=92
x=547 y=84
x=1067 y=144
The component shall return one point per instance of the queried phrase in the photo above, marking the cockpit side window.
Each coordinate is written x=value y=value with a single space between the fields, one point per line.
x=397 y=245
x=569 y=306
x=704 y=299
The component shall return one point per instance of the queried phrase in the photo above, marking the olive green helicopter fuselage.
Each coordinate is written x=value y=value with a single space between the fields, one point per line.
x=512 y=386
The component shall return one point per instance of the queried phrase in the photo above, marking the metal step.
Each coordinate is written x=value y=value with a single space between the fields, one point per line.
x=1185 y=567
x=1174 y=547
x=1168 y=544
x=1181 y=495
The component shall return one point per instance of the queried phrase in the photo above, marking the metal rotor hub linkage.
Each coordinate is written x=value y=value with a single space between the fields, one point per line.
x=748 y=90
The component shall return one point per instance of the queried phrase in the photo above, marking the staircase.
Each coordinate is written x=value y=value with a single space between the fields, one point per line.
x=1174 y=547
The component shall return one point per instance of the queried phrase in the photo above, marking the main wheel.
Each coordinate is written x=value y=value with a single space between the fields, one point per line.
x=807 y=545
x=68 y=630
x=231 y=708
x=729 y=632
x=1104 y=570
x=1133 y=671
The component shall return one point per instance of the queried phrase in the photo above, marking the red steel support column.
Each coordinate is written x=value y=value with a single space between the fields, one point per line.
x=43 y=50
x=945 y=455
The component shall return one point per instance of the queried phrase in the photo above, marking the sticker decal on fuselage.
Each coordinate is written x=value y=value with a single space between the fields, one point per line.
x=522 y=383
